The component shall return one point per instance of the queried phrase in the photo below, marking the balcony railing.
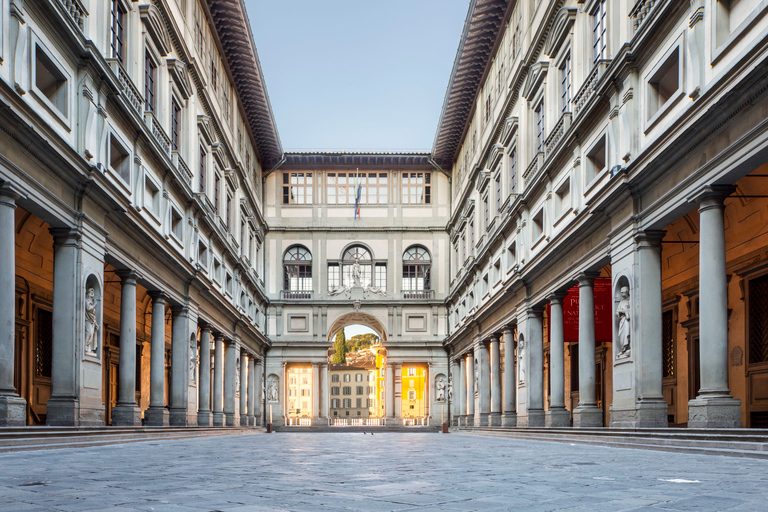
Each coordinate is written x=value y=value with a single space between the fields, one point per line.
x=640 y=11
x=533 y=167
x=181 y=166
x=296 y=294
x=130 y=91
x=418 y=294
x=76 y=11
x=557 y=133
x=587 y=90
x=158 y=133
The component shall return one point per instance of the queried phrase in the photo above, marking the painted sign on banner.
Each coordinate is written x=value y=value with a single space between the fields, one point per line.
x=603 y=313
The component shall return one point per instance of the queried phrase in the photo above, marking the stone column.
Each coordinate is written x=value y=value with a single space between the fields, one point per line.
x=509 y=418
x=713 y=407
x=157 y=415
x=587 y=414
x=230 y=360
x=315 y=393
x=251 y=420
x=13 y=408
x=389 y=394
x=126 y=412
x=179 y=365
x=557 y=415
x=470 y=376
x=535 y=367
x=204 y=418
x=645 y=329
x=258 y=409
x=323 y=415
x=64 y=404
x=482 y=416
x=495 y=381
x=219 y=420
x=461 y=402
x=244 y=411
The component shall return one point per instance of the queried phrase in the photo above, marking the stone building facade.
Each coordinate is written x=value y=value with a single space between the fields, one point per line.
x=585 y=244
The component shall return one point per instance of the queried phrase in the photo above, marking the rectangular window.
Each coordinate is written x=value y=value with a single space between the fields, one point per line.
x=664 y=83
x=539 y=114
x=359 y=402
x=50 y=81
x=335 y=378
x=565 y=84
x=417 y=188
x=486 y=213
x=347 y=390
x=335 y=389
x=598 y=31
x=214 y=71
x=596 y=160
x=342 y=187
x=151 y=196
x=177 y=224
x=175 y=124
x=216 y=192
x=119 y=159
x=512 y=170
x=117 y=31
x=229 y=214
x=202 y=175
x=359 y=390
x=471 y=237
x=297 y=188
x=347 y=403
x=334 y=280
x=149 y=82
x=380 y=276
x=498 y=191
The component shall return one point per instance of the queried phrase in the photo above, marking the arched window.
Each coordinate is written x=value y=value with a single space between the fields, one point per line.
x=360 y=257
x=297 y=272
x=416 y=270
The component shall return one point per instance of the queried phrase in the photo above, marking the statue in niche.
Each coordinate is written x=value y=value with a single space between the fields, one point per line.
x=450 y=389
x=357 y=272
x=440 y=389
x=521 y=359
x=237 y=376
x=91 y=323
x=193 y=360
x=477 y=377
x=623 y=314
x=272 y=395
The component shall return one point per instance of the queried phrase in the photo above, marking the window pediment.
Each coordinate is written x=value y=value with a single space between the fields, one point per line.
x=561 y=28
x=510 y=128
x=535 y=78
x=153 y=20
x=178 y=71
x=206 y=129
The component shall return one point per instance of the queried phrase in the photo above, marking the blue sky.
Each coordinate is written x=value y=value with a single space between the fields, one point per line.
x=357 y=74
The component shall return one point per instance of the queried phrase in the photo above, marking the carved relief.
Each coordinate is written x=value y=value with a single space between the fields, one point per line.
x=440 y=388
x=272 y=389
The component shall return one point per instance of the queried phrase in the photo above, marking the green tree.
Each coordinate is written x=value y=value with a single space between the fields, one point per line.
x=340 y=346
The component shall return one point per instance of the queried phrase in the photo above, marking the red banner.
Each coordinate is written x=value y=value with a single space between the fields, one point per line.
x=603 y=313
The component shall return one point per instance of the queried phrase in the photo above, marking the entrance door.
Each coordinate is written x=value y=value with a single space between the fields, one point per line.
x=694 y=371
x=757 y=353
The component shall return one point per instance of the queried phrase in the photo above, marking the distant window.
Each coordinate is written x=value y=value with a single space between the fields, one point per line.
x=51 y=82
x=202 y=170
x=151 y=196
x=297 y=187
x=358 y=377
x=343 y=187
x=539 y=120
x=177 y=224
x=335 y=389
x=117 y=31
x=216 y=192
x=664 y=83
x=563 y=198
x=538 y=224
x=497 y=192
x=596 y=160
x=334 y=378
x=512 y=170
x=565 y=84
x=175 y=124
x=412 y=395
x=149 y=82
x=297 y=269
x=417 y=188
x=359 y=391
x=597 y=17
x=417 y=265
x=347 y=377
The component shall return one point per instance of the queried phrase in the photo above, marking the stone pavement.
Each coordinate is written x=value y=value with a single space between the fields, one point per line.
x=387 y=471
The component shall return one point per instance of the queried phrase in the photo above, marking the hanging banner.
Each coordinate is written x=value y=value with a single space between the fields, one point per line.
x=603 y=313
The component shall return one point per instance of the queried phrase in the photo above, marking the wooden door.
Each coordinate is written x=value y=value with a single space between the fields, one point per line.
x=757 y=353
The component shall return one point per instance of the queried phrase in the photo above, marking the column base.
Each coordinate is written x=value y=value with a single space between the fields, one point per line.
x=244 y=421
x=156 y=417
x=63 y=412
x=126 y=415
x=495 y=419
x=232 y=420
x=219 y=420
x=535 y=418
x=483 y=419
x=587 y=417
x=204 y=419
x=714 y=412
x=178 y=417
x=645 y=414
x=557 y=417
x=509 y=419
x=13 y=411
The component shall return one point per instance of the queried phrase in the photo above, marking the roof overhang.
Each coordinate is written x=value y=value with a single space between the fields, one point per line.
x=234 y=31
x=353 y=160
x=482 y=30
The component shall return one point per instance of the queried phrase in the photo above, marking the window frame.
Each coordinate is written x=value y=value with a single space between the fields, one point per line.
x=409 y=190
x=118 y=16
x=299 y=268
x=291 y=192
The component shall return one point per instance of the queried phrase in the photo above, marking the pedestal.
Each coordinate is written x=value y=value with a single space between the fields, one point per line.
x=557 y=418
x=156 y=417
x=509 y=420
x=587 y=417
x=714 y=412
x=13 y=411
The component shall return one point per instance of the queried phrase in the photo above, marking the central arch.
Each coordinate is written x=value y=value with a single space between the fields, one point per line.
x=358 y=318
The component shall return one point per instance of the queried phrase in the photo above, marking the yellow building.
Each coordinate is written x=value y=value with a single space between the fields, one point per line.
x=299 y=393
x=353 y=392
x=413 y=386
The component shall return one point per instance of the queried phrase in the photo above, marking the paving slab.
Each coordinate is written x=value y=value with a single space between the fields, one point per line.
x=397 y=472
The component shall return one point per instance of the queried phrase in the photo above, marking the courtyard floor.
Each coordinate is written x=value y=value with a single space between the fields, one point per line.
x=386 y=471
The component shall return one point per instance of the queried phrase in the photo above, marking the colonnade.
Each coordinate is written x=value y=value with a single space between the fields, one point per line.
x=482 y=400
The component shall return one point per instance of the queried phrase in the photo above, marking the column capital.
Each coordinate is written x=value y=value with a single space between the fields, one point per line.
x=180 y=310
x=649 y=238
x=587 y=278
x=65 y=236
x=217 y=336
x=128 y=276
x=8 y=195
x=557 y=297
x=157 y=296
x=534 y=311
x=710 y=196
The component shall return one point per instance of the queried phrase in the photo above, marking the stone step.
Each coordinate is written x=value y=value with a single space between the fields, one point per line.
x=737 y=435
x=712 y=445
x=357 y=428
x=49 y=439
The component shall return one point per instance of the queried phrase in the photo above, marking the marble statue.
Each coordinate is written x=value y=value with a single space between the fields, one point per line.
x=477 y=377
x=450 y=389
x=272 y=395
x=357 y=272
x=623 y=314
x=440 y=389
x=193 y=360
x=91 y=324
x=338 y=291
x=521 y=359
x=237 y=375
